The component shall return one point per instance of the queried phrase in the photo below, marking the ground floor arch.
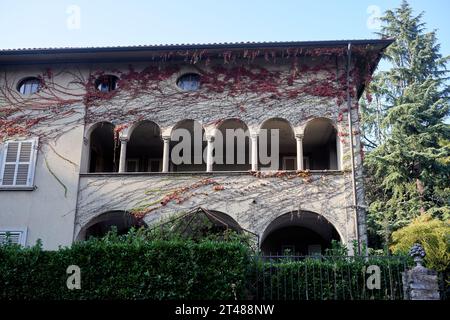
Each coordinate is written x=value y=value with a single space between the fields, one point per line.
x=199 y=223
x=298 y=233
x=99 y=226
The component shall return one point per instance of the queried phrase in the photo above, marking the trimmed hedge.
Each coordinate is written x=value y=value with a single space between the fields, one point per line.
x=126 y=270
x=134 y=267
x=328 y=278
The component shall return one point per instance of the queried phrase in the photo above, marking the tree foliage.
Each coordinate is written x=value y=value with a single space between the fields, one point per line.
x=432 y=234
x=407 y=166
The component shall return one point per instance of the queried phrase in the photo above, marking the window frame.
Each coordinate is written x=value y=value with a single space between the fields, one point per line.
x=22 y=82
x=149 y=164
x=177 y=82
x=32 y=163
x=112 y=80
x=133 y=160
x=312 y=249
x=292 y=158
x=22 y=231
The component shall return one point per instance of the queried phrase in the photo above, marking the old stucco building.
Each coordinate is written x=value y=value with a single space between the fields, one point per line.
x=87 y=136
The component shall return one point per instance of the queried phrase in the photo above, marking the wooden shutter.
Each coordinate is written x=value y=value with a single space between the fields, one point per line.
x=18 y=163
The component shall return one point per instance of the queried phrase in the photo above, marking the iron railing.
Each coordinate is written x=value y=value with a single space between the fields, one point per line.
x=327 y=278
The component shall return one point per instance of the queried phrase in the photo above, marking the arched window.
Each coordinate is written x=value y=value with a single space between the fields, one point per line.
x=145 y=148
x=187 y=146
x=277 y=135
x=106 y=83
x=29 y=86
x=189 y=82
x=232 y=146
x=103 y=154
x=320 y=150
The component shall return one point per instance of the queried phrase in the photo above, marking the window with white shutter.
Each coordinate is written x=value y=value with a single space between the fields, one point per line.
x=18 y=163
x=13 y=236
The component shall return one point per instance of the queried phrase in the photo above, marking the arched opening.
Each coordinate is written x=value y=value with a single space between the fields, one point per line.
x=106 y=83
x=277 y=135
x=103 y=153
x=145 y=148
x=320 y=150
x=232 y=146
x=105 y=222
x=299 y=233
x=198 y=224
x=187 y=145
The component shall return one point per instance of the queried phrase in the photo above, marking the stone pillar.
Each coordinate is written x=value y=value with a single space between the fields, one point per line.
x=123 y=155
x=166 y=154
x=338 y=153
x=209 y=153
x=420 y=283
x=254 y=138
x=299 y=140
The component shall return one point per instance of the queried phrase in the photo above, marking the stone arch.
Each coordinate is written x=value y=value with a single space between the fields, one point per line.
x=301 y=232
x=187 y=155
x=197 y=220
x=321 y=145
x=144 y=148
x=101 y=224
x=128 y=131
x=302 y=127
x=277 y=135
x=237 y=156
x=103 y=149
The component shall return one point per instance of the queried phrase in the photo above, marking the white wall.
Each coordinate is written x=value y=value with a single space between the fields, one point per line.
x=46 y=212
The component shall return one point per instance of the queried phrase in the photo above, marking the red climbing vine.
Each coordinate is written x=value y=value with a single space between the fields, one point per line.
x=239 y=80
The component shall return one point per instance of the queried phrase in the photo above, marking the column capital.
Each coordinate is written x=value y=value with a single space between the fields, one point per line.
x=165 y=138
x=123 y=139
x=299 y=136
x=254 y=135
x=209 y=138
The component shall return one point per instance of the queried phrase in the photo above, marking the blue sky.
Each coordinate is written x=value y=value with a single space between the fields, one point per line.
x=45 y=23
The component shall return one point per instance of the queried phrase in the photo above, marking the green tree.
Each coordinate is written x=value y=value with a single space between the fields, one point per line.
x=407 y=166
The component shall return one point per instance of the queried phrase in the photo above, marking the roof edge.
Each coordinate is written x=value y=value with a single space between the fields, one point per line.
x=208 y=46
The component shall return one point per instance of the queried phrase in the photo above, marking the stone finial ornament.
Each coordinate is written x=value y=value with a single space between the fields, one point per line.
x=420 y=283
x=418 y=253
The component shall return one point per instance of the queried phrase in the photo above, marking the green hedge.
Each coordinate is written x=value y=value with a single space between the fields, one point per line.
x=327 y=278
x=138 y=267
x=126 y=270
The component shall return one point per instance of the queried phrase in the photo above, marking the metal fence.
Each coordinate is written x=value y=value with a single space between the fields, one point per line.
x=327 y=278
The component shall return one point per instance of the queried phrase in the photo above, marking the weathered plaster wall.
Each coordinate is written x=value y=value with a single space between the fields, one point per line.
x=252 y=201
x=49 y=214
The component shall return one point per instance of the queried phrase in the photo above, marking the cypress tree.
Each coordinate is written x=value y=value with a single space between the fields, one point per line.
x=405 y=128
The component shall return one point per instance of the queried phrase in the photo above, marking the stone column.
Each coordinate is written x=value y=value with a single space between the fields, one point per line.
x=123 y=155
x=299 y=140
x=338 y=153
x=254 y=137
x=209 y=153
x=166 y=154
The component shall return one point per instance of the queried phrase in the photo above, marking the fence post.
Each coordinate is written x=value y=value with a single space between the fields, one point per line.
x=420 y=283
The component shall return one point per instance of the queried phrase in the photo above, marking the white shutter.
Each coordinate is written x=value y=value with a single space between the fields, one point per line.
x=19 y=160
x=13 y=236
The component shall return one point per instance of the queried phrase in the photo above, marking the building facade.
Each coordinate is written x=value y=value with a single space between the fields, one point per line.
x=267 y=133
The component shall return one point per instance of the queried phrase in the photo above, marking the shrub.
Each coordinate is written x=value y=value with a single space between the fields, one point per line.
x=327 y=278
x=432 y=234
x=118 y=267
